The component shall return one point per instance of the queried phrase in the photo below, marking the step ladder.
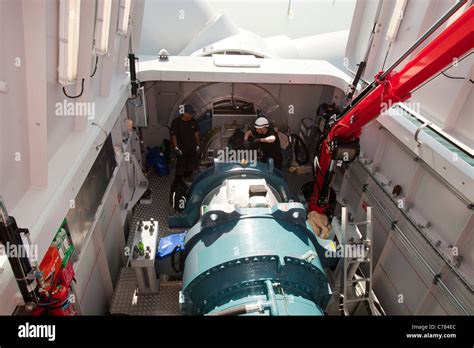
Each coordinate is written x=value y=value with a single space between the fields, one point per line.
x=356 y=253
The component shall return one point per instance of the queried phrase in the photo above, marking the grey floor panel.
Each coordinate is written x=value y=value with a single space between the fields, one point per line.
x=126 y=300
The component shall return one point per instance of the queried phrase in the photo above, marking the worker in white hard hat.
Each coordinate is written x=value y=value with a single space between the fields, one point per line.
x=265 y=135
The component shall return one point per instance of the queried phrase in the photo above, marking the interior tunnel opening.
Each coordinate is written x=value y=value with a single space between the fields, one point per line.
x=223 y=107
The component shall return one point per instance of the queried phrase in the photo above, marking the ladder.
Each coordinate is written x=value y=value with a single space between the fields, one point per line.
x=355 y=254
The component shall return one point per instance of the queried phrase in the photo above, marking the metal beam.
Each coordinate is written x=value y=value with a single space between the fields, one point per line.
x=34 y=30
x=463 y=237
x=414 y=185
x=84 y=60
x=384 y=18
x=107 y=71
x=379 y=153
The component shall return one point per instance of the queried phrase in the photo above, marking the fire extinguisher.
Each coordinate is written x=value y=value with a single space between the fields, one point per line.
x=60 y=304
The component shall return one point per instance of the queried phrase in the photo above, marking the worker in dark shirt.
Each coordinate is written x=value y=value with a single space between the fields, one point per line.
x=185 y=141
x=265 y=135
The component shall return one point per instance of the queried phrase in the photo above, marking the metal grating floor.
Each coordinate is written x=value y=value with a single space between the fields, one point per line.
x=159 y=209
x=126 y=301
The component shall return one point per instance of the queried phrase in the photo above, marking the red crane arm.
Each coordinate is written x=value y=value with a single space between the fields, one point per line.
x=452 y=43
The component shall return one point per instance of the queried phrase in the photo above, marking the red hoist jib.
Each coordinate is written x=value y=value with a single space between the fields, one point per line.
x=342 y=140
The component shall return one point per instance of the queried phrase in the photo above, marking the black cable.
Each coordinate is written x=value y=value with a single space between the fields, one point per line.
x=440 y=73
x=297 y=141
x=134 y=177
x=386 y=55
x=167 y=127
x=52 y=301
x=424 y=84
x=97 y=147
x=95 y=68
x=173 y=262
x=453 y=77
x=76 y=96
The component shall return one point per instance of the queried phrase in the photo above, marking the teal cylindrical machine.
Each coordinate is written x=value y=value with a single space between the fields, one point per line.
x=249 y=250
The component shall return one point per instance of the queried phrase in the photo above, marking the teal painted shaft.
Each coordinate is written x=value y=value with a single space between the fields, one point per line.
x=253 y=261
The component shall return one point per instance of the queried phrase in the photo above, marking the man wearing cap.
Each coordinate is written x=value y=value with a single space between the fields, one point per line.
x=265 y=135
x=186 y=142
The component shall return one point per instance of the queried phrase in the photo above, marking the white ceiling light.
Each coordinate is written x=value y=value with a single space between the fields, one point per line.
x=397 y=16
x=69 y=26
x=124 y=15
x=102 y=26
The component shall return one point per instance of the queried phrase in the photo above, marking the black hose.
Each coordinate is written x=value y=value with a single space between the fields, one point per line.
x=173 y=262
x=297 y=144
x=95 y=67
x=74 y=96
x=52 y=302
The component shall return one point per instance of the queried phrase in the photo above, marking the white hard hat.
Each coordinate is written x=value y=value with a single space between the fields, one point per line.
x=261 y=122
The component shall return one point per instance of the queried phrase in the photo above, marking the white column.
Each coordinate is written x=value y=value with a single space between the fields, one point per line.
x=34 y=27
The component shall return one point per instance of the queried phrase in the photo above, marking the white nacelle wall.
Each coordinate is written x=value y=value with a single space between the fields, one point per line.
x=14 y=175
x=70 y=142
x=446 y=102
x=401 y=282
x=103 y=251
x=449 y=104
x=14 y=113
x=59 y=128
